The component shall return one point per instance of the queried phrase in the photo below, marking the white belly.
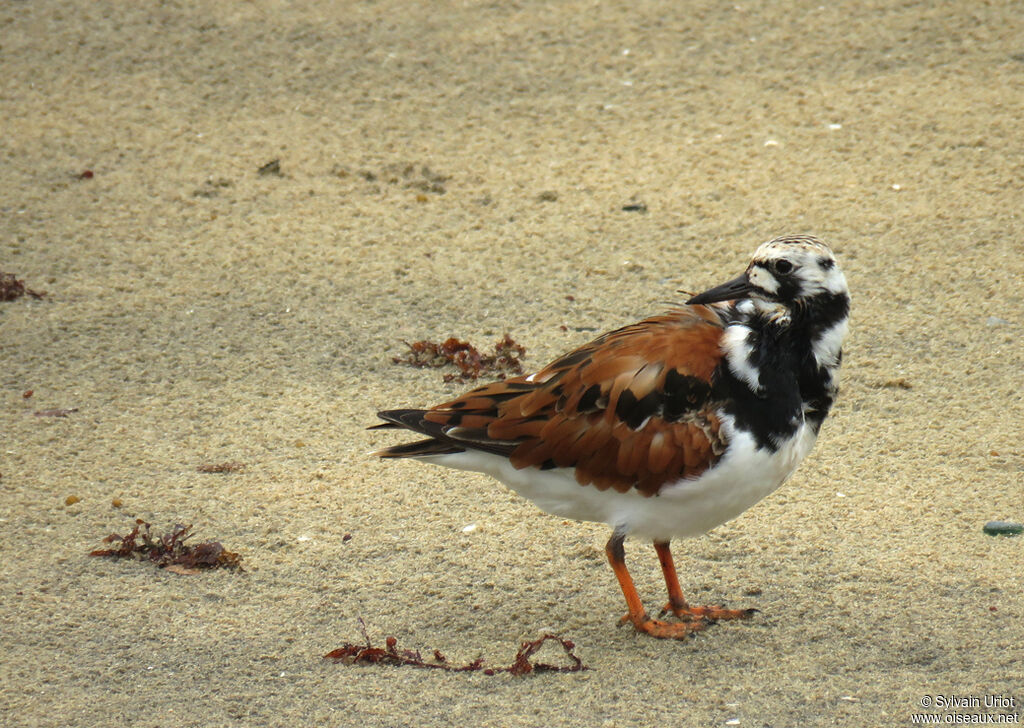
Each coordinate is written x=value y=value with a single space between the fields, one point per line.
x=743 y=476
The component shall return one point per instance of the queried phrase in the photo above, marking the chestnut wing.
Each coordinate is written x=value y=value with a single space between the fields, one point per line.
x=632 y=409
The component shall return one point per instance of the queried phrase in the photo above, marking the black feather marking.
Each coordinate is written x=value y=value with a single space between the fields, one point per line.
x=572 y=358
x=516 y=387
x=650 y=405
x=634 y=412
x=822 y=312
x=413 y=419
x=419 y=448
x=624 y=407
x=407 y=418
x=588 y=402
x=503 y=396
x=468 y=436
x=684 y=394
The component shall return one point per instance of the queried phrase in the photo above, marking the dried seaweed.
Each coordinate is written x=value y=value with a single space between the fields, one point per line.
x=170 y=550
x=11 y=288
x=367 y=654
x=466 y=357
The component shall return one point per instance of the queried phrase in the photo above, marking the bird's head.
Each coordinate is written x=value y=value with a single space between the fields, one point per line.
x=786 y=274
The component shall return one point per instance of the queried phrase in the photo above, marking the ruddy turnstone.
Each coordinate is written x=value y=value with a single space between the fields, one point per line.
x=667 y=427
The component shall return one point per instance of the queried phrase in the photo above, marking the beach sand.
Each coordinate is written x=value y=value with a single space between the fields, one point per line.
x=461 y=169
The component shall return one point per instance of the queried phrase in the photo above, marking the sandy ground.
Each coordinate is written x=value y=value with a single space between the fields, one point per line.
x=199 y=312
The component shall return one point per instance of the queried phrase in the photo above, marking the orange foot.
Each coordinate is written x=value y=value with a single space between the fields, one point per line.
x=666 y=630
x=708 y=614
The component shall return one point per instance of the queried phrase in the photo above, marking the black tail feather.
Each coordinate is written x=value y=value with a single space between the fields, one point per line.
x=410 y=419
x=420 y=448
x=439 y=442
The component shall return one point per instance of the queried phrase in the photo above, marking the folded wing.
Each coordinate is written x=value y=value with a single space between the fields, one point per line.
x=632 y=409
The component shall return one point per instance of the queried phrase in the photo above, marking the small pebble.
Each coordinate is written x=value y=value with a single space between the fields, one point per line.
x=1003 y=528
x=273 y=167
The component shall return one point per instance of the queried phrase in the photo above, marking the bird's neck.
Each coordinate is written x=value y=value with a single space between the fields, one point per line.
x=812 y=327
x=788 y=356
x=819 y=328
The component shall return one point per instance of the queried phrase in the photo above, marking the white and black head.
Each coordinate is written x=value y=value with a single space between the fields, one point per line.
x=788 y=277
x=784 y=327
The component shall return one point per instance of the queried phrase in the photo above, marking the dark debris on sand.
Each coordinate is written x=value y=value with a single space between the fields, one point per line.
x=471 y=363
x=169 y=550
x=367 y=654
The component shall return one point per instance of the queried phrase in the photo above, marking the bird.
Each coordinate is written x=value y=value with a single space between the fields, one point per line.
x=665 y=428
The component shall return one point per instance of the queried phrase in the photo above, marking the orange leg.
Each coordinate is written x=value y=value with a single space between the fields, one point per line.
x=637 y=614
x=677 y=603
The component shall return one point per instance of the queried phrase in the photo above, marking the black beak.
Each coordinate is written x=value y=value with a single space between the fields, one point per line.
x=736 y=288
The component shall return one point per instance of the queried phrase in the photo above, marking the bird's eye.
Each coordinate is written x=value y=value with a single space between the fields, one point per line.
x=782 y=266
